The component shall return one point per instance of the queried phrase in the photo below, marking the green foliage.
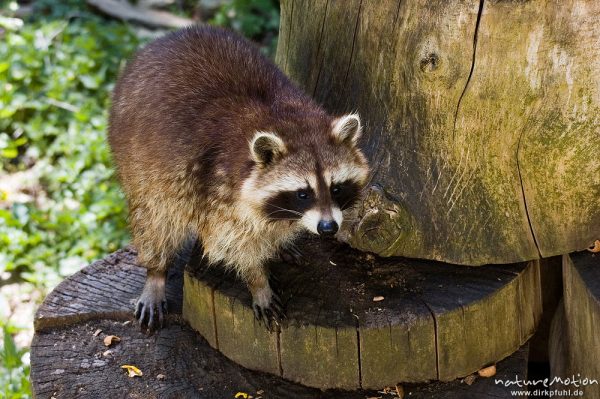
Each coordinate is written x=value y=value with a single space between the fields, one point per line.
x=57 y=70
x=14 y=383
x=55 y=81
x=56 y=78
x=255 y=19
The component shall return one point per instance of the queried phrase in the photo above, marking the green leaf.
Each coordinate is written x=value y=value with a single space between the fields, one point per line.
x=89 y=81
x=10 y=355
x=10 y=153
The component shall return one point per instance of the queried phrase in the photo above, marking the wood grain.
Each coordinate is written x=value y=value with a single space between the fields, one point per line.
x=481 y=120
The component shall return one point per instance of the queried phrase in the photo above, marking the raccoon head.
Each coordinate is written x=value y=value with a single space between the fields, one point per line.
x=308 y=178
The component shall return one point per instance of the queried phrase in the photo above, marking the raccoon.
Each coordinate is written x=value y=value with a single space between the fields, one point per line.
x=212 y=141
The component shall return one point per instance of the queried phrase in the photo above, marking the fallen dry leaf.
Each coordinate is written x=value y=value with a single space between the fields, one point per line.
x=378 y=298
x=132 y=371
x=111 y=339
x=470 y=379
x=160 y=377
x=242 y=395
x=97 y=332
x=596 y=247
x=487 y=371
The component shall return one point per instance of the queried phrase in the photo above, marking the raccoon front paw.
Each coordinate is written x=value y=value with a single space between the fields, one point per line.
x=267 y=307
x=151 y=307
x=292 y=254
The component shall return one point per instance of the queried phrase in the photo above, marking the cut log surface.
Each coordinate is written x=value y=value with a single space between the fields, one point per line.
x=575 y=341
x=481 y=120
x=435 y=321
x=70 y=360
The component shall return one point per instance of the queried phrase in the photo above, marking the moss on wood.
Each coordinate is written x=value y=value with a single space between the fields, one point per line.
x=481 y=124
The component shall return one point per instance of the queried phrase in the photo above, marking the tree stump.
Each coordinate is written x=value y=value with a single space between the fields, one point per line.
x=574 y=341
x=481 y=120
x=69 y=359
x=435 y=322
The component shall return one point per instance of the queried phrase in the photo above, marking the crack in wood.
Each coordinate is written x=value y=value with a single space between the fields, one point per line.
x=477 y=22
x=531 y=230
x=435 y=331
x=358 y=352
x=278 y=343
x=287 y=50
x=214 y=315
x=314 y=91
x=353 y=43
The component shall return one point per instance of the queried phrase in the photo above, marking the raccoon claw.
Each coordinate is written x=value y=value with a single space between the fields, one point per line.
x=151 y=314
x=292 y=254
x=152 y=305
x=270 y=314
x=262 y=316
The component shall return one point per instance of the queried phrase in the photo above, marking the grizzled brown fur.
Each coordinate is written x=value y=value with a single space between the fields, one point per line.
x=183 y=132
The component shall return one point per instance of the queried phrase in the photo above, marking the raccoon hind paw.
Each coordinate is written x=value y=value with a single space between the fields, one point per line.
x=150 y=311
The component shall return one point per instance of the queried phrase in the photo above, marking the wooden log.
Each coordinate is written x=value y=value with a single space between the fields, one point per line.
x=145 y=15
x=481 y=120
x=574 y=341
x=435 y=322
x=70 y=360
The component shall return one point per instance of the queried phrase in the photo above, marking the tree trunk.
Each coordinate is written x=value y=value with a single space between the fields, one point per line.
x=482 y=120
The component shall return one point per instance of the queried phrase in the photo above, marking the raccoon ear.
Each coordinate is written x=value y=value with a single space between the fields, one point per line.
x=266 y=148
x=347 y=129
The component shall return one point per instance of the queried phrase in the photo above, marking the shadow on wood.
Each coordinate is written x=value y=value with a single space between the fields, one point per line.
x=574 y=346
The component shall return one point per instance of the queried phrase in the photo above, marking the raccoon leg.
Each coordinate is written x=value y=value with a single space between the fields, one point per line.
x=266 y=303
x=157 y=242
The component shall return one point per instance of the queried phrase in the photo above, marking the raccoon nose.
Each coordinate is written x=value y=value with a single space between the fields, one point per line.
x=327 y=227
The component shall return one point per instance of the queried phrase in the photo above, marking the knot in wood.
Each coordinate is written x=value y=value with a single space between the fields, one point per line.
x=430 y=62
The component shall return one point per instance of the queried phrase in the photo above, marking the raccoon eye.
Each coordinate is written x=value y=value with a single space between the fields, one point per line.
x=336 y=190
x=303 y=194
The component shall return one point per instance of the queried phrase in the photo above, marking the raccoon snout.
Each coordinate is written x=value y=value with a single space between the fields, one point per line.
x=327 y=227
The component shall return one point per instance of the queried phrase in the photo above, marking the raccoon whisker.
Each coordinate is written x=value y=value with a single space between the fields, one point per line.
x=282 y=218
x=280 y=209
x=284 y=210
